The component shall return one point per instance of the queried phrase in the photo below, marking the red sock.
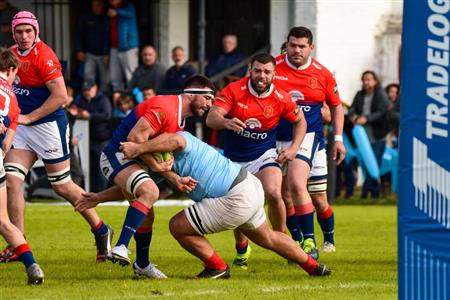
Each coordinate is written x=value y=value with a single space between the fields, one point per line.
x=310 y=265
x=215 y=262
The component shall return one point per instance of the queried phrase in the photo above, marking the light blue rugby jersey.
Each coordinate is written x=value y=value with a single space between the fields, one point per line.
x=214 y=172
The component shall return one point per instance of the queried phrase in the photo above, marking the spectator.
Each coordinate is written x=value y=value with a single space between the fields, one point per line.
x=150 y=73
x=7 y=12
x=94 y=106
x=228 y=58
x=393 y=114
x=92 y=44
x=123 y=104
x=178 y=73
x=124 y=41
x=148 y=92
x=369 y=109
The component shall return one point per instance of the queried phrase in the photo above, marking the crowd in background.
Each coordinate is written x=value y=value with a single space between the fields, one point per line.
x=117 y=72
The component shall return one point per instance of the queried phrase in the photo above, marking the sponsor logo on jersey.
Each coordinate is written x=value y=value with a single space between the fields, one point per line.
x=297 y=95
x=51 y=150
x=279 y=94
x=335 y=90
x=253 y=123
x=242 y=105
x=281 y=77
x=50 y=63
x=16 y=80
x=21 y=91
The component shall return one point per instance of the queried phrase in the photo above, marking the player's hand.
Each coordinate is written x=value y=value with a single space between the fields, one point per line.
x=160 y=167
x=186 y=184
x=24 y=119
x=361 y=120
x=234 y=124
x=286 y=154
x=89 y=200
x=3 y=128
x=338 y=152
x=130 y=150
x=7 y=144
x=84 y=114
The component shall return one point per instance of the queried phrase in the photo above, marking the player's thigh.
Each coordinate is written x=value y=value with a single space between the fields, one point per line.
x=271 y=179
x=297 y=175
x=179 y=225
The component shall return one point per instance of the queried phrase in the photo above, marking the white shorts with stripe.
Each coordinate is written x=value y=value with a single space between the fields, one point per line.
x=310 y=153
x=242 y=206
x=268 y=159
x=50 y=140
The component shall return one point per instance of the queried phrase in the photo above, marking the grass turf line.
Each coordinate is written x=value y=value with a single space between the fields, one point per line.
x=364 y=266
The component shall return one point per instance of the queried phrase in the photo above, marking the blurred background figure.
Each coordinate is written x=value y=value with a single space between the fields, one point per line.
x=178 y=73
x=124 y=41
x=7 y=12
x=150 y=72
x=229 y=57
x=369 y=109
x=94 y=106
x=92 y=44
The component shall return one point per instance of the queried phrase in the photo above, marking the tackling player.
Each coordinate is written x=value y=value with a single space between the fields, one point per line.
x=160 y=114
x=310 y=84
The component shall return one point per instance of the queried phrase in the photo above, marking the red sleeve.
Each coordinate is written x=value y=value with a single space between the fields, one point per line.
x=14 y=111
x=48 y=65
x=290 y=110
x=156 y=117
x=332 y=93
x=225 y=99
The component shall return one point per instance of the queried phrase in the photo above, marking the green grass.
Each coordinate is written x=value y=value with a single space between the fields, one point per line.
x=364 y=266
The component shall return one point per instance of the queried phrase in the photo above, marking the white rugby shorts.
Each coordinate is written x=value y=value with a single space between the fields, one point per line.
x=49 y=140
x=241 y=207
x=268 y=159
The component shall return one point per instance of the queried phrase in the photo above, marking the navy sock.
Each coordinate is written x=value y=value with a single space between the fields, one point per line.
x=143 y=238
x=293 y=225
x=326 y=221
x=100 y=229
x=242 y=248
x=135 y=216
x=307 y=225
x=25 y=255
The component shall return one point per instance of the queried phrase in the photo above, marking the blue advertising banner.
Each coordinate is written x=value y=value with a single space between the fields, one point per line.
x=424 y=170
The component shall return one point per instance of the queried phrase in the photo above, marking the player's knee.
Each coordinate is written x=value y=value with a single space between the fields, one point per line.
x=59 y=179
x=142 y=187
x=15 y=174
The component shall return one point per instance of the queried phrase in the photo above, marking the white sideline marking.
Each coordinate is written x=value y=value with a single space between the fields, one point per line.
x=168 y=202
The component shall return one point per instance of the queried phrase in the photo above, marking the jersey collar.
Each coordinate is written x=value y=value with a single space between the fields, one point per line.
x=254 y=93
x=302 y=67
x=26 y=52
x=181 y=121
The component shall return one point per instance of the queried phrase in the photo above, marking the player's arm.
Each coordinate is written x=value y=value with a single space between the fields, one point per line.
x=337 y=120
x=326 y=113
x=58 y=96
x=298 y=133
x=216 y=119
x=91 y=200
x=167 y=142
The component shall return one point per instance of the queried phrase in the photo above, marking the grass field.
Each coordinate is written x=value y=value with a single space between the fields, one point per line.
x=364 y=267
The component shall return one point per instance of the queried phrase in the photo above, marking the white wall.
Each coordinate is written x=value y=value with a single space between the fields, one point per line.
x=178 y=31
x=345 y=34
x=346 y=39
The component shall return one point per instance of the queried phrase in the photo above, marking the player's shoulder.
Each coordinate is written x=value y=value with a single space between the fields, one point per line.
x=280 y=94
x=237 y=88
x=315 y=65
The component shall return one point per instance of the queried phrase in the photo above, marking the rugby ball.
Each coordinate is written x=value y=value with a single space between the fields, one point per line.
x=162 y=156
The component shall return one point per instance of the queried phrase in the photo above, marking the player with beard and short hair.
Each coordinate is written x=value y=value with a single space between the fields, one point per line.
x=311 y=85
x=250 y=110
x=154 y=116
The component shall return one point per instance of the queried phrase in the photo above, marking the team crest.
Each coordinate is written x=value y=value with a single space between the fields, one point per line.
x=268 y=112
x=25 y=66
x=161 y=115
x=312 y=82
